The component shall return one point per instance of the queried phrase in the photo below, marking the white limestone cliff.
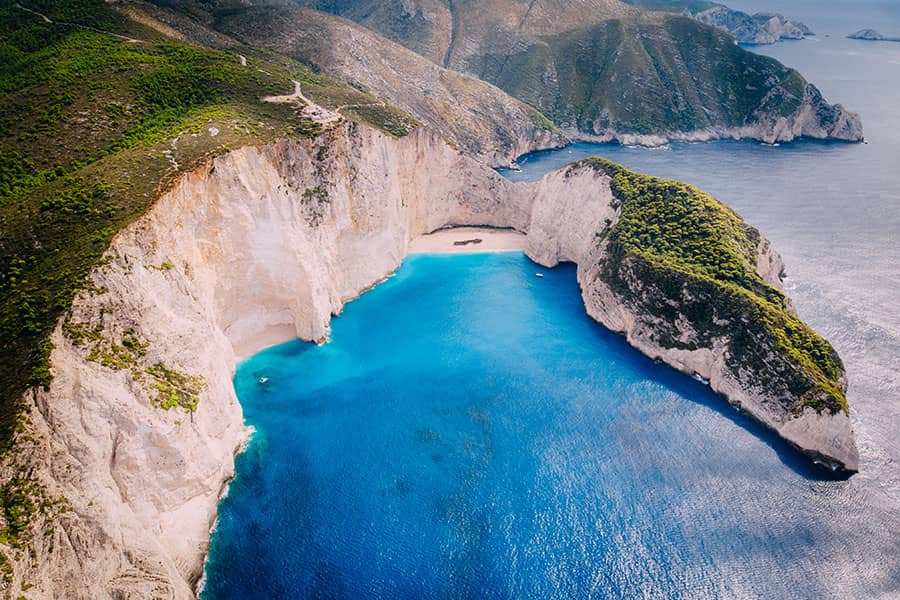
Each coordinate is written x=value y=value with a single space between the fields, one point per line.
x=571 y=206
x=259 y=240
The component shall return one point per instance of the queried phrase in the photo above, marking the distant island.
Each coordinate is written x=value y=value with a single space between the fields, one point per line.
x=759 y=28
x=872 y=36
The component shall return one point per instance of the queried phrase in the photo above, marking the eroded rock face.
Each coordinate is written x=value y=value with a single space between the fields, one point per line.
x=761 y=28
x=261 y=238
x=657 y=316
x=267 y=238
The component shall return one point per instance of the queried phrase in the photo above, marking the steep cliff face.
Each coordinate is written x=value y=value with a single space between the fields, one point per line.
x=604 y=69
x=124 y=458
x=139 y=427
x=726 y=321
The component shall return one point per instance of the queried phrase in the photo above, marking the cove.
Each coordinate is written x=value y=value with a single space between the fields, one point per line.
x=470 y=432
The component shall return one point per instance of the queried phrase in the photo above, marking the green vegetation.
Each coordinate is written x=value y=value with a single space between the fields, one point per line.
x=676 y=6
x=17 y=498
x=314 y=201
x=165 y=265
x=170 y=387
x=175 y=388
x=78 y=196
x=666 y=74
x=105 y=351
x=98 y=115
x=390 y=120
x=6 y=570
x=21 y=500
x=80 y=335
x=676 y=251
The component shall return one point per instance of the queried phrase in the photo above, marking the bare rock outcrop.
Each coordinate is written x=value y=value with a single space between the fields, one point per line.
x=665 y=318
x=132 y=444
x=760 y=28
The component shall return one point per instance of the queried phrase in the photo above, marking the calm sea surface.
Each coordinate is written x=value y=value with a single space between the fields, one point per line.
x=470 y=433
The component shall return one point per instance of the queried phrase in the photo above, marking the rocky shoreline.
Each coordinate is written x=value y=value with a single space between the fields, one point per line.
x=815 y=119
x=870 y=35
x=262 y=239
x=759 y=28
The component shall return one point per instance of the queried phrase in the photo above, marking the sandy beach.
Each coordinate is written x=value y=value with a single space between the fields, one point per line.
x=270 y=336
x=444 y=241
x=439 y=242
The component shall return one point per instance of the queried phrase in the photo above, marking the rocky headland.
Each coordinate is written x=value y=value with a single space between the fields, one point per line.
x=137 y=432
x=759 y=28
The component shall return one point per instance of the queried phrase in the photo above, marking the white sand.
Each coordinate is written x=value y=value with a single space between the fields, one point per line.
x=439 y=242
x=492 y=240
x=270 y=336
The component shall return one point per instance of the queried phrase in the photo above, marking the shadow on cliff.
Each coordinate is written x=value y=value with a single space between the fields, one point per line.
x=700 y=393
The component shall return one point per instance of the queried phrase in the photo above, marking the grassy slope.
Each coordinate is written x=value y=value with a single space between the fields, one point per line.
x=619 y=69
x=701 y=256
x=87 y=123
x=672 y=75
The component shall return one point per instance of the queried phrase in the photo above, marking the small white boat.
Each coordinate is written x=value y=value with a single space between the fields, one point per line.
x=263 y=380
x=538 y=274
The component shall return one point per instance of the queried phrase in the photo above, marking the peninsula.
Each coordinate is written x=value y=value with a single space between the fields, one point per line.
x=872 y=36
x=758 y=28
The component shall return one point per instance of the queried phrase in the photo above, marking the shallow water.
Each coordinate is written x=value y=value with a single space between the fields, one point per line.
x=469 y=432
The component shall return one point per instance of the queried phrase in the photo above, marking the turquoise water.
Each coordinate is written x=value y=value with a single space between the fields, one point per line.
x=470 y=433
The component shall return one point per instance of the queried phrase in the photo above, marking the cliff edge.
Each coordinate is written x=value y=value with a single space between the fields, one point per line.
x=689 y=283
x=119 y=465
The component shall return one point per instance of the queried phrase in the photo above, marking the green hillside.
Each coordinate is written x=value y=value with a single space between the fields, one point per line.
x=672 y=75
x=603 y=67
x=696 y=258
x=91 y=105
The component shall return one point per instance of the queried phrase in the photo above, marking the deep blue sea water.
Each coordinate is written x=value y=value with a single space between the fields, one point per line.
x=470 y=433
